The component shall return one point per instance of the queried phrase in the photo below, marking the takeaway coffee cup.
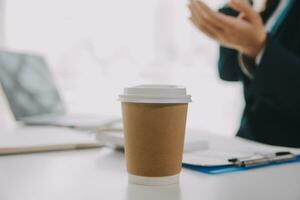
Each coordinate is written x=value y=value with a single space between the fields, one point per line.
x=154 y=120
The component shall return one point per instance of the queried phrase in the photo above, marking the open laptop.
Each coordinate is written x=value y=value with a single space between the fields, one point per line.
x=33 y=97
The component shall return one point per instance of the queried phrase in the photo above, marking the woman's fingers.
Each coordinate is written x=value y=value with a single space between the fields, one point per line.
x=211 y=16
x=203 y=25
x=223 y=22
x=238 y=33
x=244 y=8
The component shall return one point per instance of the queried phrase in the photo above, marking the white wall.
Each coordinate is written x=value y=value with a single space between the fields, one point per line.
x=97 y=47
x=5 y=117
x=2 y=23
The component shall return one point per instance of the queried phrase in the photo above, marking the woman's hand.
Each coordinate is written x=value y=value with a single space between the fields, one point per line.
x=244 y=33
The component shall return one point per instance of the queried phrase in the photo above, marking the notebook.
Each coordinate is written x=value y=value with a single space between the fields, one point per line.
x=41 y=139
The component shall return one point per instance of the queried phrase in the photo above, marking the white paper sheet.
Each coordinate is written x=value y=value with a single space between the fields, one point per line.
x=215 y=150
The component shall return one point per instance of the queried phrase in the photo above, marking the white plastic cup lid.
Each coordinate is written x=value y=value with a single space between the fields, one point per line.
x=155 y=94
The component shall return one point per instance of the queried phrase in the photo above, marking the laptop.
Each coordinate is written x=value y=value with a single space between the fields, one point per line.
x=33 y=96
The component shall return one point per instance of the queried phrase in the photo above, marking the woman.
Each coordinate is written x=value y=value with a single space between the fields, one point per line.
x=262 y=50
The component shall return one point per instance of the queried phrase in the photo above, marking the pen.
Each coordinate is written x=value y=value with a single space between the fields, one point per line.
x=262 y=159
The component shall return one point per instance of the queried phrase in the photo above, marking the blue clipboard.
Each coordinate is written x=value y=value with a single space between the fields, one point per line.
x=232 y=168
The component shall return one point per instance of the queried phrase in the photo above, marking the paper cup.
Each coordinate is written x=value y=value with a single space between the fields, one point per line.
x=154 y=119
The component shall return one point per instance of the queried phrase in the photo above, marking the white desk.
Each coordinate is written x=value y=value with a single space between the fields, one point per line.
x=100 y=174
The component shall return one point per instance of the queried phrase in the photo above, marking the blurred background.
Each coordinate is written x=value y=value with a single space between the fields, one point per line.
x=97 y=47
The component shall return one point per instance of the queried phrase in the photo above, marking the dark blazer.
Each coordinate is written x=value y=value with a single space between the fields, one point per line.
x=272 y=112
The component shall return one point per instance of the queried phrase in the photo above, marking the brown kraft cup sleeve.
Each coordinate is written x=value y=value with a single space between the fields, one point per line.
x=154 y=138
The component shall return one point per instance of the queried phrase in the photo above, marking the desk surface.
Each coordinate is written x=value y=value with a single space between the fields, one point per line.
x=100 y=174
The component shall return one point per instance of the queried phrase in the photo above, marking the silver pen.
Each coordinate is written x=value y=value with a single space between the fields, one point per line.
x=263 y=159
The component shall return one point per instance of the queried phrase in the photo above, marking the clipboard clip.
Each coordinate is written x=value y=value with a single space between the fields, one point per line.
x=259 y=159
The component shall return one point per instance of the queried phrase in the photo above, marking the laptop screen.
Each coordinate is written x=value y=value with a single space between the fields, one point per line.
x=28 y=85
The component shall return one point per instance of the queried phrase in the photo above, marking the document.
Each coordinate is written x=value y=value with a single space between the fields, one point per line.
x=208 y=150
